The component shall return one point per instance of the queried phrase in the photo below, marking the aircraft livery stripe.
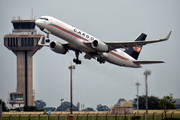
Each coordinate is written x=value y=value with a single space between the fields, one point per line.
x=112 y=53
x=77 y=36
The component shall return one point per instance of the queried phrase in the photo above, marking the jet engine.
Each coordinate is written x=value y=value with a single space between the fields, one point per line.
x=100 y=46
x=57 y=47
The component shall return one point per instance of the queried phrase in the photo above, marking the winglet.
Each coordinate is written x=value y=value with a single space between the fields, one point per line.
x=167 y=36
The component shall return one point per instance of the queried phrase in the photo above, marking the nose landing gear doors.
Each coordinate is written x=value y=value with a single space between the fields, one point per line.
x=47 y=21
x=47 y=34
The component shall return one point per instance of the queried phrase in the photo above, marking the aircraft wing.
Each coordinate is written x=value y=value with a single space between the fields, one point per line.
x=114 y=45
x=147 y=62
x=65 y=45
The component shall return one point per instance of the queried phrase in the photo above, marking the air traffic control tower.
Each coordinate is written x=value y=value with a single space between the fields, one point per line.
x=23 y=42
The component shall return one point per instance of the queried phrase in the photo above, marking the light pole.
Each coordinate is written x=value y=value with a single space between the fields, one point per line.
x=137 y=84
x=72 y=67
x=146 y=73
x=61 y=104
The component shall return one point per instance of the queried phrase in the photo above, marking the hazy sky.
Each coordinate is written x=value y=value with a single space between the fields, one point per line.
x=108 y=20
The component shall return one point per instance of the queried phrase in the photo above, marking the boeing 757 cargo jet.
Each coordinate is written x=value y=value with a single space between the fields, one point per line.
x=102 y=51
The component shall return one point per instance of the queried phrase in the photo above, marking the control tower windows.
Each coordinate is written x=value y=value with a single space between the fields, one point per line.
x=24 y=25
x=12 y=42
x=27 y=41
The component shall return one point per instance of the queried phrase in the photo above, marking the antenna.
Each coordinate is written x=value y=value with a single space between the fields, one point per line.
x=32 y=14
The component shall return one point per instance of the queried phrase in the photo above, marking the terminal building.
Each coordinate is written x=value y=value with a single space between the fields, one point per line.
x=23 y=42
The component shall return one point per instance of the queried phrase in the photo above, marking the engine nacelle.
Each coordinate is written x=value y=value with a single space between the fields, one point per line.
x=57 y=47
x=100 y=46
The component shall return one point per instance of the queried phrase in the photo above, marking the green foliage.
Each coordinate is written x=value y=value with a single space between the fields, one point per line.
x=18 y=109
x=142 y=101
x=152 y=102
x=4 y=107
x=30 y=108
x=167 y=103
x=40 y=104
x=88 y=109
x=45 y=113
x=102 y=108
x=66 y=105
x=49 y=108
x=119 y=102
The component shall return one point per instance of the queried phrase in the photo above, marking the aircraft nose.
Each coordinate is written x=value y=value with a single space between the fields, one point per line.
x=37 y=22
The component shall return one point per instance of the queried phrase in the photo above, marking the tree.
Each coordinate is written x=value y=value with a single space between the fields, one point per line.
x=4 y=107
x=119 y=102
x=167 y=103
x=152 y=102
x=88 y=109
x=30 y=108
x=49 y=108
x=142 y=102
x=65 y=106
x=102 y=108
x=40 y=104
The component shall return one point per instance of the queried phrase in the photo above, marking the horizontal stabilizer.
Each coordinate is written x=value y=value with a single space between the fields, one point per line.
x=147 y=62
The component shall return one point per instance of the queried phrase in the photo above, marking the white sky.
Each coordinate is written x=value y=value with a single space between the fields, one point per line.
x=93 y=83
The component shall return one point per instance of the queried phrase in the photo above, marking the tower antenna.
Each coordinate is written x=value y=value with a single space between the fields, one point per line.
x=32 y=14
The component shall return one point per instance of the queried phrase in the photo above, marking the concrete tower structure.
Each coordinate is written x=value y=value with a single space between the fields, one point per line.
x=23 y=43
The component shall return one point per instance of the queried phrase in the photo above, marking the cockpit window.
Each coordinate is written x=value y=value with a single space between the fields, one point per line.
x=44 y=19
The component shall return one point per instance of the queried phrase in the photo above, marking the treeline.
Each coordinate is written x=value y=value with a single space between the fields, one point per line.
x=154 y=103
x=65 y=106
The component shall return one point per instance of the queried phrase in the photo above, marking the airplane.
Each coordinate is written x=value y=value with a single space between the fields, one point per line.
x=79 y=41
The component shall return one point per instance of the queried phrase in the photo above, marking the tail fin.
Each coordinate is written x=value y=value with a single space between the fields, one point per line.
x=134 y=51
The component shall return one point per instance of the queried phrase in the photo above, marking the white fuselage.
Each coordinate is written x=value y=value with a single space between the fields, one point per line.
x=76 y=39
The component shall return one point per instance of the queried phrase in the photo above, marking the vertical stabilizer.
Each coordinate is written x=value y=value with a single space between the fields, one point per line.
x=135 y=51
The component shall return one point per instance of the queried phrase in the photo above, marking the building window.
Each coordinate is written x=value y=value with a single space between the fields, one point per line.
x=8 y=41
x=16 y=41
x=32 y=41
x=22 y=41
x=12 y=41
x=27 y=41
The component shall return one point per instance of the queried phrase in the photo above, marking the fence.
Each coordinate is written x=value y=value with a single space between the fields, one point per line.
x=90 y=116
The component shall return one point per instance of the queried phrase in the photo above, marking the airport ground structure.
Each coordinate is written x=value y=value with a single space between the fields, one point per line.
x=94 y=115
x=85 y=112
x=23 y=42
